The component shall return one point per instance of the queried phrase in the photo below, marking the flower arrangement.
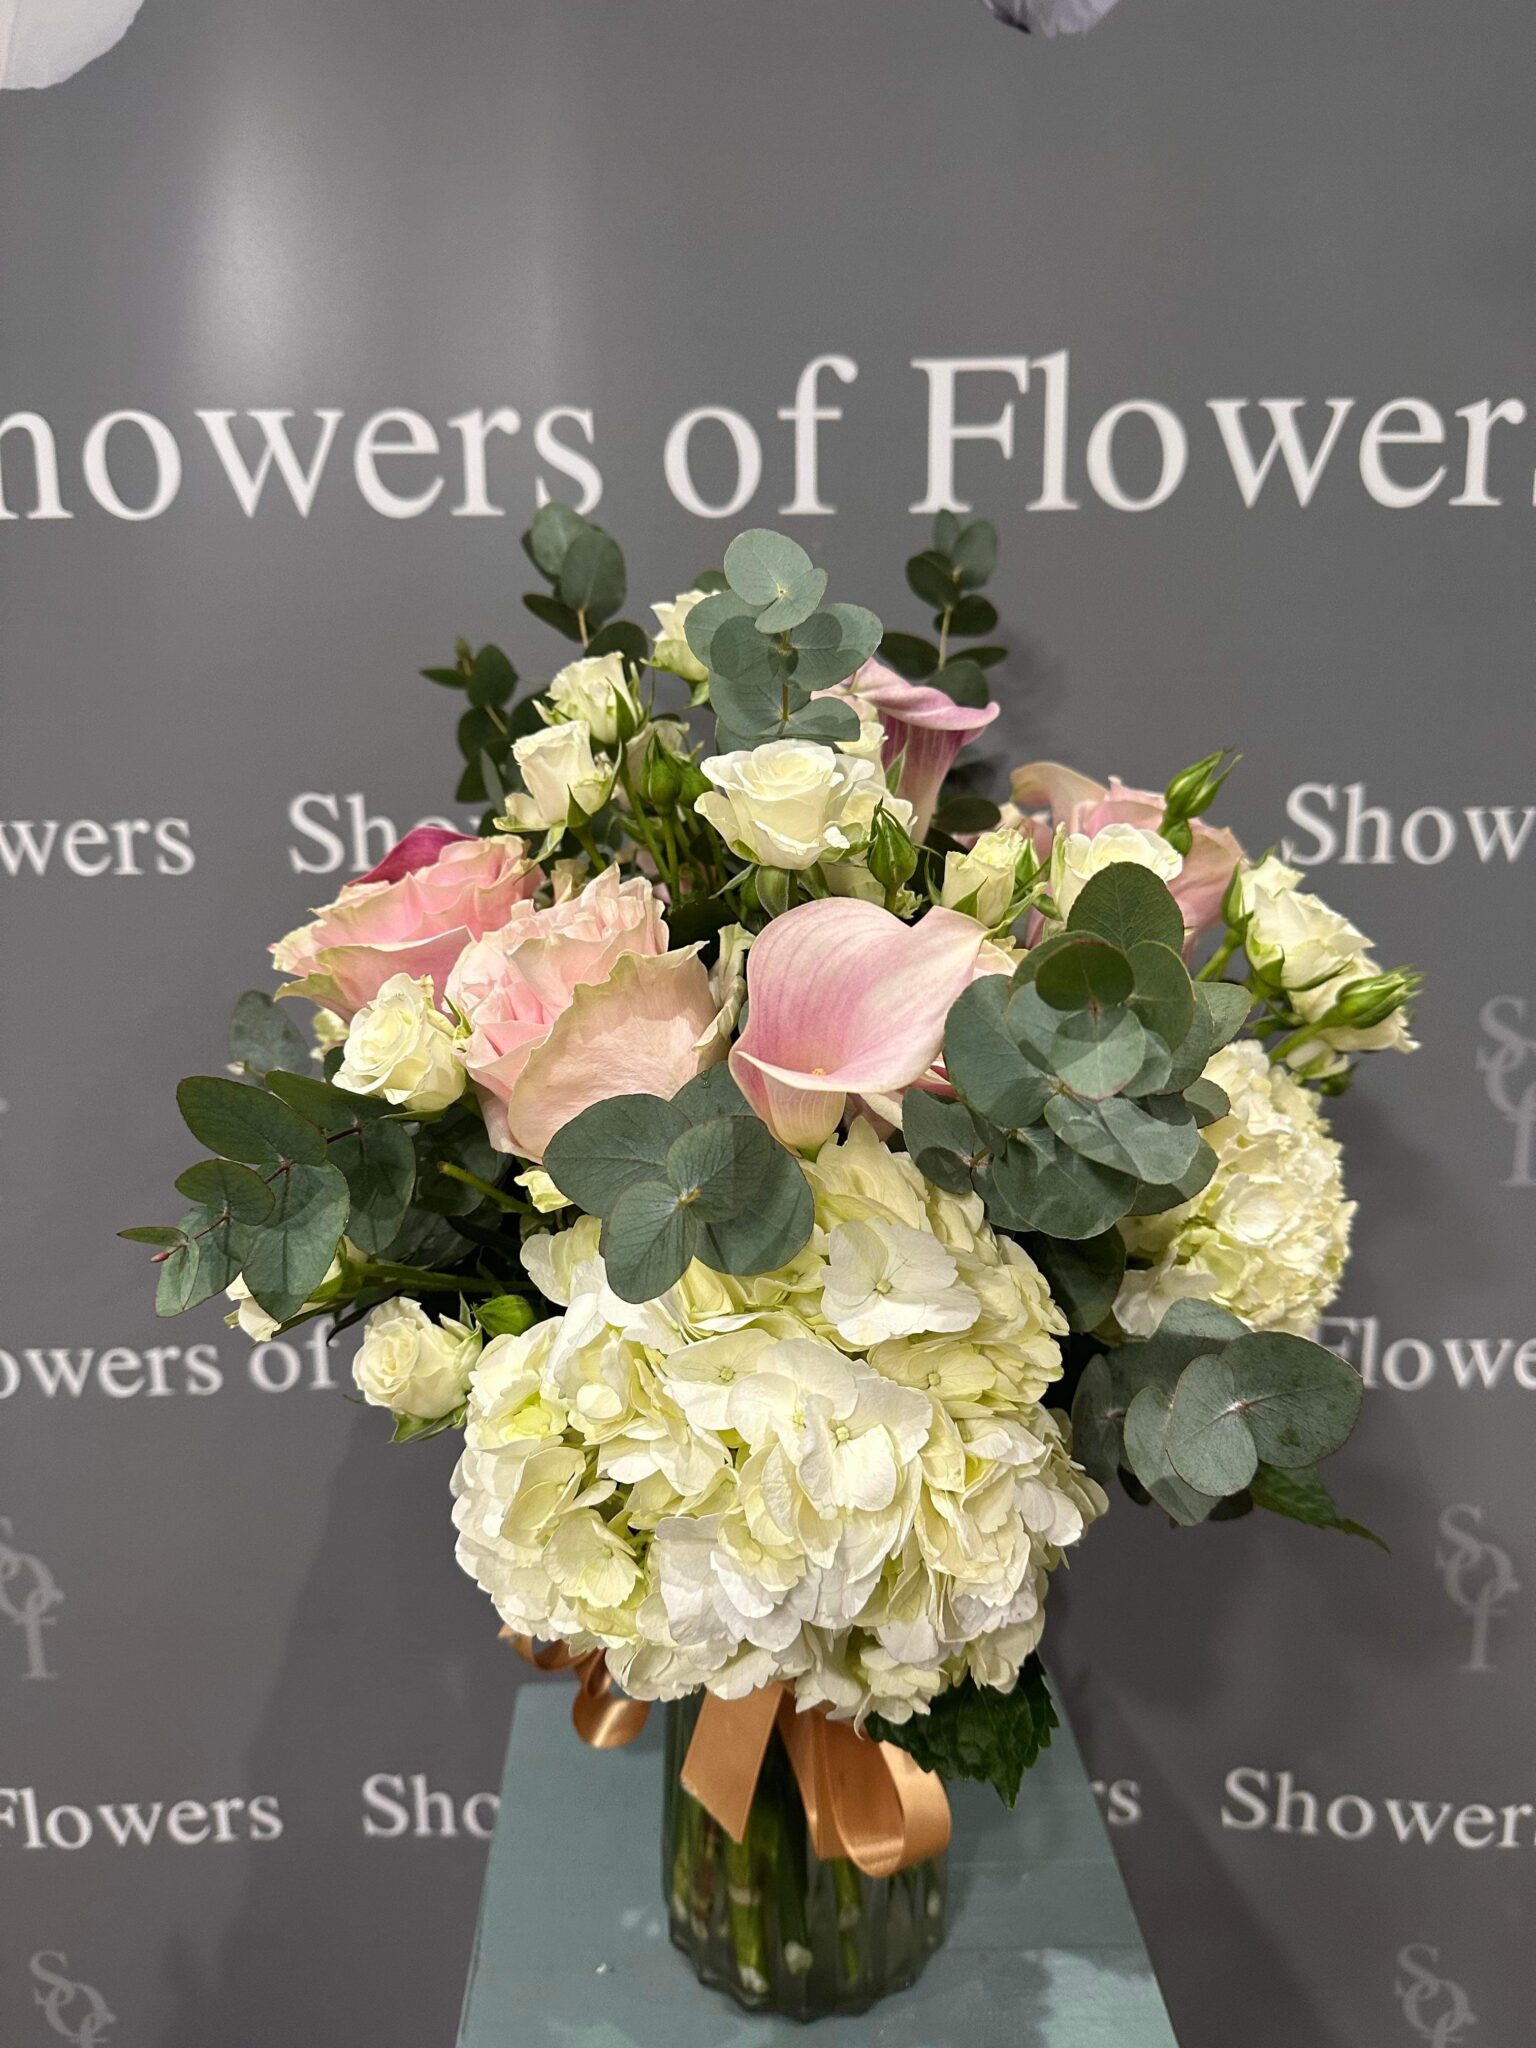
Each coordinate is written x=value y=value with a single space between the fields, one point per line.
x=806 y=1185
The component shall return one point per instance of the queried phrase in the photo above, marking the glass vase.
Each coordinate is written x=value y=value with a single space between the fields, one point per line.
x=769 y=1922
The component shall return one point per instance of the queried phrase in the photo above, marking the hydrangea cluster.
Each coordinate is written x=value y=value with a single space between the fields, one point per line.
x=1268 y=1236
x=839 y=1474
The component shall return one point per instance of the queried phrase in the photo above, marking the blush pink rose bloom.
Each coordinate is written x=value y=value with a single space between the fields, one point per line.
x=1077 y=803
x=571 y=1005
x=923 y=727
x=413 y=914
x=844 y=999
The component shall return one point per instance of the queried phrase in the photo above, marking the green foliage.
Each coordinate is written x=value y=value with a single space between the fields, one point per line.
x=1300 y=1495
x=1205 y=1410
x=768 y=642
x=505 y=1315
x=697 y=1177
x=947 y=576
x=1069 y=1069
x=414 y=1429
x=972 y=1731
x=262 y=1035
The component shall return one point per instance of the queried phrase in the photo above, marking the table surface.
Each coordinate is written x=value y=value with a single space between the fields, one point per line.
x=572 y=1948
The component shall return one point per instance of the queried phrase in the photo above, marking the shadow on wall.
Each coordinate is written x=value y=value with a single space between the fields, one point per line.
x=342 y=1935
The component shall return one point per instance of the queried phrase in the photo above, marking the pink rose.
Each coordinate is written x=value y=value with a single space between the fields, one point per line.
x=922 y=726
x=574 y=1004
x=1078 y=804
x=414 y=914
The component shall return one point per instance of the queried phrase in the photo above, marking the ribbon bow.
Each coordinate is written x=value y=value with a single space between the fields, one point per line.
x=867 y=1801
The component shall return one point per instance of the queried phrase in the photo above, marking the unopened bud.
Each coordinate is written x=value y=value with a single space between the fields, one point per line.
x=773 y=890
x=892 y=858
x=1192 y=792
x=1373 y=999
x=661 y=782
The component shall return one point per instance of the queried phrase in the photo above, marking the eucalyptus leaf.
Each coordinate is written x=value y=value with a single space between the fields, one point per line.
x=1098 y=1420
x=289 y=1254
x=965 y=681
x=1164 y=996
x=492 y=679
x=713 y=1168
x=795 y=605
x=973 y=615
x=1085 y=971
x=378 y=1162
x=648 y=1240
x=706 y=618
x=553 y=613
x=1146 y=1448
x=550 y=535
x=1156 y=1148
x=1058 y=1192
x=262 y=1036
x=1299 y=1400
x=974 y=552
x=931 y=577
x=221 y=1187
x=771 y=1229
x=1209 y=1102
x=832 y=643
x=592 y=580
x=1084 y=1276
x=912 y=658
x=238 y=1122
x=762 y=566
x=984 y=1064
x=712 y=1093
x=1127 y=904
x=1208 y=1440
x=612 y=1145
x=1098 y=1051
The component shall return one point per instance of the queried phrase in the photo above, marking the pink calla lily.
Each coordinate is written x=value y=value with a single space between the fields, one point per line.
x=843 y=998
x=420 y=848
x=925 y=728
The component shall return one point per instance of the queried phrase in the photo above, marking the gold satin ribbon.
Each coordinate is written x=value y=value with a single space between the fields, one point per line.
x=868 y=1801
x=604 y=1719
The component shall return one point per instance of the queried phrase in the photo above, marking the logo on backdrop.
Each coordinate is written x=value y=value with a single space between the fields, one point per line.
x=1436 y=2007
x=28 y=1595
x=74 y=2010
x=1508 y=1068
x=1478 y=1576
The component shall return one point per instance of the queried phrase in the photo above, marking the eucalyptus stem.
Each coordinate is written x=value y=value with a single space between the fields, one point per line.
x=419 y=1276
x=1211 y=971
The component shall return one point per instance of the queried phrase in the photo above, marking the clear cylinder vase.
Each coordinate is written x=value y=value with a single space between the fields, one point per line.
x=768 y=1921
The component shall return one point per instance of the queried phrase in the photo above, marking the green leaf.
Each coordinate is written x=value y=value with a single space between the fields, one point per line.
x=610 y=1147
x=986 y=657
x=288 y=1256
x=622 y=636
x=378 y=1162
x=975 y=557
x=984 y=1064
x=796 y=605
x=492 y=679
x=161 y=1234
x=545 y=543
x=1153 y=1197
x=712 y=1093
x=772 y=1229
x=262 y=1036
x=553 y=613
x=705 y=620
x=449 y=678
x=591 y=579
x=973 y=615
x=930 y=577
x=1299 y=1401
x=1084 y=971
x=1209 y=1102
x=239 y=1122
x=176 y=1279
x=1097 y=1051
x=1127 y=904
x=946 y=531
x=648 y=1240
x=965 y=813
x=964 y=681
x=1302 y=1496
x=1146 y=1448
x=826 y=721
x=762 y=566
x=910 y=657
x=1188 y=1329
x=1084 y=1276
x=1220 y=1010
x=412 y=1429
x=972 y=1731
x=941 y=1138
x=1165 y=998
x=1156 y=1148
x=326 y=1106
x=1098 y=1419
x=713 y=1168
x=457 y=1138
x=505 y=1315
x=832 y=643
x=219 y=1186
x=1043 y=1186
x=1208 y=1440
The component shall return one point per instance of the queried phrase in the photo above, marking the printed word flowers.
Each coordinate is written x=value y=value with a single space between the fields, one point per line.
x=809 y=1187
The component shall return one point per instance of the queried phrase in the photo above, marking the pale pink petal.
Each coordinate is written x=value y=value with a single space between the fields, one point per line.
x=924 y=728
x=636 y=1033
x=1207 y=870
x=842 y=997
x=1048 y=786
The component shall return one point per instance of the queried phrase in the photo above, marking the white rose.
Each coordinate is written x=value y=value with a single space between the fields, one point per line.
x=870 y=744
x=329 y=1030
x=986 y=874
x=783 y=804
x=595 y=692
x=558 y=769
x=671 y=650
x=542 y=1192
x=1076 y=859
x=411 y=1365
x=251 y=1319
x=1291 y=936
x=400 y=1046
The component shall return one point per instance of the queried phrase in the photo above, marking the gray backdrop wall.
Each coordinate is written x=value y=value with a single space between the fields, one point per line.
x=229 y=1616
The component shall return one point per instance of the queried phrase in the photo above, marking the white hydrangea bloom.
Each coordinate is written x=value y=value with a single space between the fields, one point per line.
x=838 y=1475
x=1268 y=1236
